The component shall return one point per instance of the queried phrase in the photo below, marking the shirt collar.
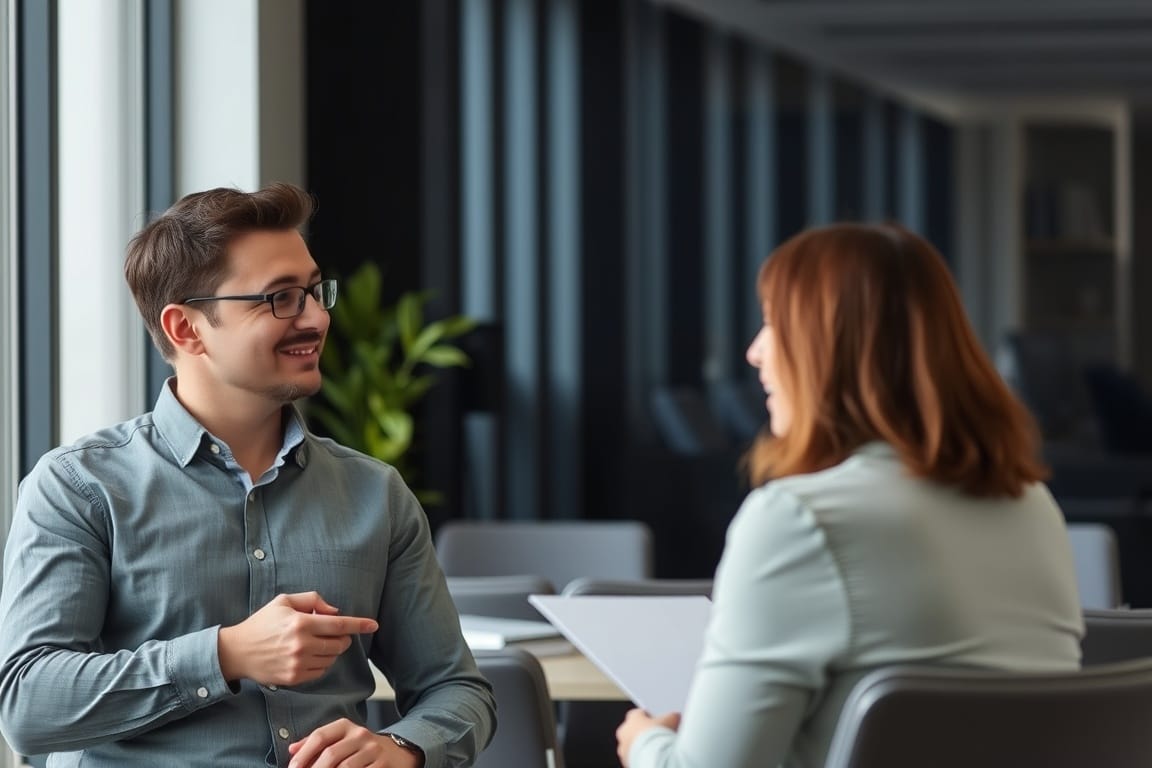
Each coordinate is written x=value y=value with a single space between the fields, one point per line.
x=184 y=435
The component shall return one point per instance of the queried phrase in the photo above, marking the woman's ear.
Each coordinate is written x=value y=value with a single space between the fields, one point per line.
x=179 y=324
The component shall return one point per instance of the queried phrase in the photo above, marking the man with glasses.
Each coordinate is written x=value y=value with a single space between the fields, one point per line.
x=205 y=585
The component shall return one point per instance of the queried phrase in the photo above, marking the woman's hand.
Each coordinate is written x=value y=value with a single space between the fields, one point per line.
x=636 y=722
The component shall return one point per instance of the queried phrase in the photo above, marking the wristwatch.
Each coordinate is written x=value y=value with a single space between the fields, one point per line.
x=403 y=743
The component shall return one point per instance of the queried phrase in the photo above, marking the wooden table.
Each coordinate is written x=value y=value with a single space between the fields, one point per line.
x=570 y=677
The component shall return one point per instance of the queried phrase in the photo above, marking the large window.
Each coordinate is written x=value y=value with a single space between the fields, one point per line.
x=9 y=443
x=8 y=307
x=100 y=198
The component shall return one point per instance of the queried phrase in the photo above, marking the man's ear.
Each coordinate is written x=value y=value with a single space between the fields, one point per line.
x=179 y=324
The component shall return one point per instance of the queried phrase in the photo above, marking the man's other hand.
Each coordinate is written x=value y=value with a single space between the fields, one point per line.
x=331 y=745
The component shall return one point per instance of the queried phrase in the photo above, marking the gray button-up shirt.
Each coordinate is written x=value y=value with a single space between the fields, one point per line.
x=130 y=549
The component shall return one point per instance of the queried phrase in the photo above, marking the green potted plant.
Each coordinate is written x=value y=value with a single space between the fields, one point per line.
x=379 y=362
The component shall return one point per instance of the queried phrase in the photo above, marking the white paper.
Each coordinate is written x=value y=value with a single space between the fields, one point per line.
x=648 y=645
x=490 y=633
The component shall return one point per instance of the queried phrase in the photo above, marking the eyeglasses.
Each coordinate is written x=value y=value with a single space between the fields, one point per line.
x=286 y=302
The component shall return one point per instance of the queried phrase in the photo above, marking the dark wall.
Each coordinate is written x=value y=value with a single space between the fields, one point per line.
x=791 y=147
x=685 y=203
x=386 y=146
x=364 y=137
x=603 y=204
x=1140 y=280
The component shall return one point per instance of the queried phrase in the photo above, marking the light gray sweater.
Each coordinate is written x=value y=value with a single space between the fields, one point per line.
x=829 y=575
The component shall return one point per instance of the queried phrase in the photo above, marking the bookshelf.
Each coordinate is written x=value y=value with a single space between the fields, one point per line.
x=1070 y=256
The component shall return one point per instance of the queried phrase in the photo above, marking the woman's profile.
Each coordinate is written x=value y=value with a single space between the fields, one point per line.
x=900 y=514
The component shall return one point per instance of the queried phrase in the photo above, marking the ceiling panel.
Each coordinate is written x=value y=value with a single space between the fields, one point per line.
x=964 y=49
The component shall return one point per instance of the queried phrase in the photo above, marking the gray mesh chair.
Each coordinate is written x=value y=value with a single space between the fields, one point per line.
x=503 y=596
x=1097 y=564
x=557 y=551
x=911 y=717
x=1116 y=635
x=526 y=734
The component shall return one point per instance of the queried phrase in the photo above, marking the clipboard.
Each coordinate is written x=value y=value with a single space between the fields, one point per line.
x=648 y=646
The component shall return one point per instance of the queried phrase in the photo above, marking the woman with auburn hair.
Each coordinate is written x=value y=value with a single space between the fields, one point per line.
x=901 y=515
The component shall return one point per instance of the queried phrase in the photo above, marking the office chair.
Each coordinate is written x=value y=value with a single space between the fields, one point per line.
x=1097 y=561
x=526 y=736
x=910 y=717
x=505 y=597
x=1119 y=634
x=1123 y=409
x=557 y=551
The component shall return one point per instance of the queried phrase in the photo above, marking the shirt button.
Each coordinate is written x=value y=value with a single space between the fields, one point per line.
x=258 y=554
x=273 y=687
x=202 y=692
x=252 y=496
x=283 y=733
x=214 y=448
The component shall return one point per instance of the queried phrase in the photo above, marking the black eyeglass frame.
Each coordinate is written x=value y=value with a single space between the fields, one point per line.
x=311 y=290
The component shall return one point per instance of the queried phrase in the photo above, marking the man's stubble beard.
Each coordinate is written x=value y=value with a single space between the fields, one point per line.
x=289 y=393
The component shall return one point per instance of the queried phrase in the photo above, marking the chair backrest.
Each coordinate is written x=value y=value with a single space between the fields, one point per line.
x=526 y=735
x=905 y=717
x=587 y=586
x=1120 y=634
x=558 y=551
x=1097 y=562
x=1123 y=408
x=503 y=596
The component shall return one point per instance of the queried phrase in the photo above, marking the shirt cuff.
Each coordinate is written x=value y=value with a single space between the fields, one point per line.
x=193 y=664
x=651 y=743
x=425 y=736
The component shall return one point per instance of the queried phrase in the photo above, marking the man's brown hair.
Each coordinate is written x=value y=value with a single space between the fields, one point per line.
x=873 y=344
x=182 y=253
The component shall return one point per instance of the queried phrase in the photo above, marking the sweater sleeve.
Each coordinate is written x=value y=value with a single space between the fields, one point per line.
x=780 y=617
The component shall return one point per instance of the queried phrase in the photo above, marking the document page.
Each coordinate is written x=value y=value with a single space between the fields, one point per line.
x=648 y=645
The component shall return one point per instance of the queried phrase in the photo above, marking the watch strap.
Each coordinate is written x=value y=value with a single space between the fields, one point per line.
x=403 y=743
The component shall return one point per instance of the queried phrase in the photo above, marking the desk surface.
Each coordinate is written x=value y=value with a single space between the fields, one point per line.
x=570 y=676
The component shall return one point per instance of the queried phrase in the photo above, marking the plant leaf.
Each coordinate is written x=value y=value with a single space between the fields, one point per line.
x=409 y=317
x=444 y=356
x=454 y=326
x=371 y=362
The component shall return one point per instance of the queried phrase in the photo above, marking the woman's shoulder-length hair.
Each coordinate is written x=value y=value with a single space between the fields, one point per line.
x=873 y=344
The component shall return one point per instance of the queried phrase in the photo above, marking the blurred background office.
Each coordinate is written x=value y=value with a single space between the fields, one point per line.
x=596 y=183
